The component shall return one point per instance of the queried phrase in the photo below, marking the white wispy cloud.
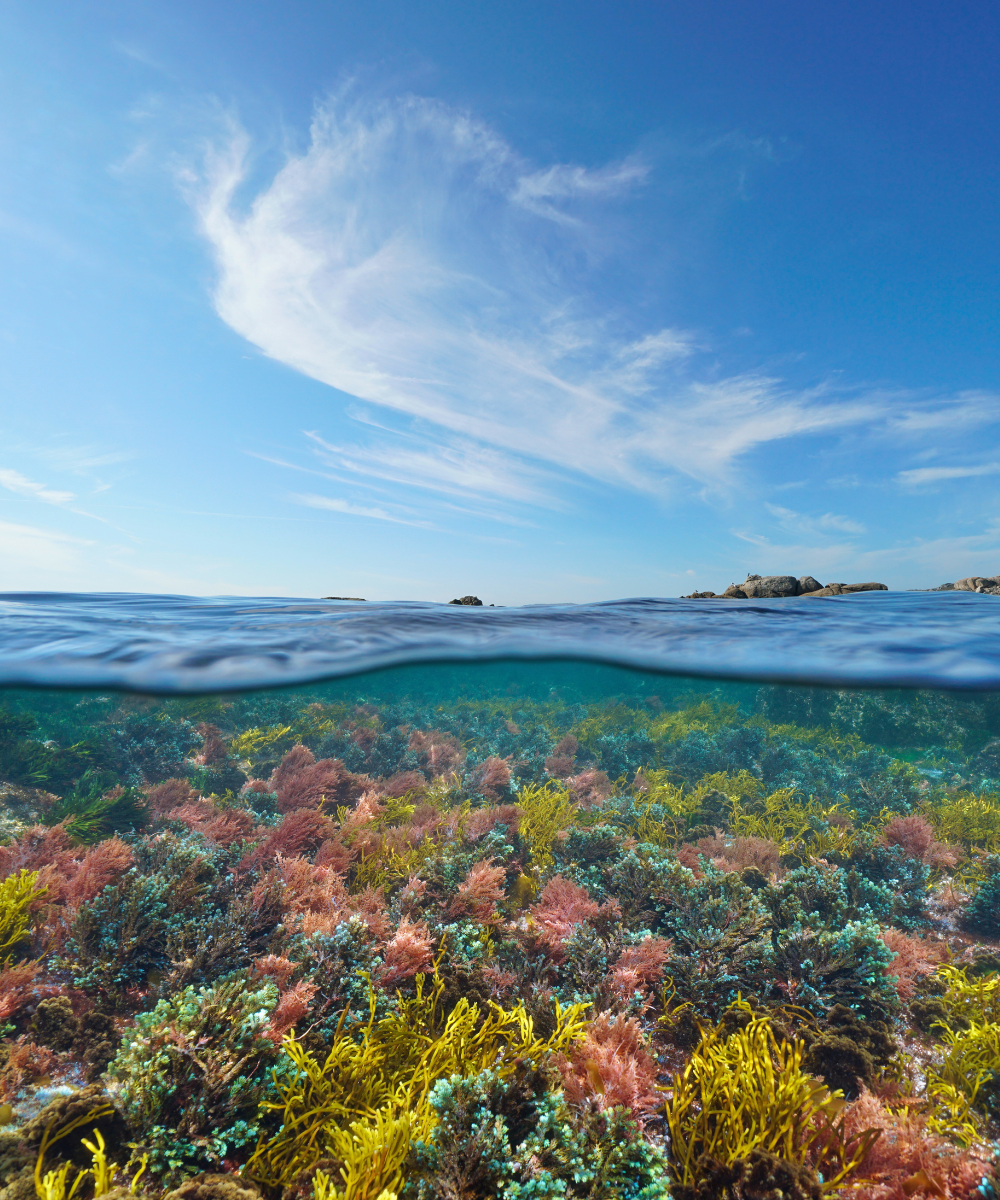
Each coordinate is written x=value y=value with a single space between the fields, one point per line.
x=333 y=504
x=924 y=475
x=802 y=523
x=538 y=190
x=956 y=415
x=411 y=258
x=458 y=468
x=14 y=481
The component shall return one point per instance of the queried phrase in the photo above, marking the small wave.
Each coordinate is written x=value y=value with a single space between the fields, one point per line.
x=169 y=644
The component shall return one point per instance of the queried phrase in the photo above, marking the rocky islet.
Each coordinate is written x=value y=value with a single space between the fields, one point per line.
x=776 y=587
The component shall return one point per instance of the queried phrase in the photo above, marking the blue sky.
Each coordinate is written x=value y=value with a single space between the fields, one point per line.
x=545 y=302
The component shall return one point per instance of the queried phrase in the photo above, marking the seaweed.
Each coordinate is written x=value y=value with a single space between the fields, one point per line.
x=546 y=810
x=848 y=1053
x=748 y=1091
x=193 y=1074
x=18 y=894
x=32 y=762
x=468 y=1150
x=98 y=807
x=602 y=1156
x=147 y=747
x=179 y=906
x=366 y=942
x=388 y=1067
x=983 y=911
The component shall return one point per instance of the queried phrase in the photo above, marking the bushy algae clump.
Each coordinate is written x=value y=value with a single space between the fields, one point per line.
x=528 y=935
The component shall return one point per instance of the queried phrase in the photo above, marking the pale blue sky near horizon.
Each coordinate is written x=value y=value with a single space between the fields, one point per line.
x=555 y=302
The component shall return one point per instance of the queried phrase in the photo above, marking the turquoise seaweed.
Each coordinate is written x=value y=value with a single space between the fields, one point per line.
x=192 y=1073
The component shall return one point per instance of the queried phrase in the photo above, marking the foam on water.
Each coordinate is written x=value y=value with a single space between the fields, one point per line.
x=186 y=644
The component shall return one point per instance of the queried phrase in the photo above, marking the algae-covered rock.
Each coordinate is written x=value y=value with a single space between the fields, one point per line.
x=847 y=1051
x=55 y=1024
x=19 y=1148
x=17 y=1168
x=761 y=1175
x=96 y=1042
x=63 y=1111
x=91 y=1037
x=926 y=1013
x=988 y=759
x=211 y=1186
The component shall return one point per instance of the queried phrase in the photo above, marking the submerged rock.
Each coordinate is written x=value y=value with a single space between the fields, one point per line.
x=55 y=1024
x=17 y=1167
x=988 y=759
x=92 y=1037
x=761 y=1175
x=215 y=1187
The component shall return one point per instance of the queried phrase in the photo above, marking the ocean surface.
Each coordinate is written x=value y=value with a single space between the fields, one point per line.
x=181 y=644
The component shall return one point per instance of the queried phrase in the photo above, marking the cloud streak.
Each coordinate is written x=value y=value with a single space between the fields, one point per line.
x=333 y=504
x=924 y=475
x=15 y=482
x=801 y=523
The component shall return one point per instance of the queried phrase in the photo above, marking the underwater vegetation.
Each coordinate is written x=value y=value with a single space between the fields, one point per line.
x=435 y=938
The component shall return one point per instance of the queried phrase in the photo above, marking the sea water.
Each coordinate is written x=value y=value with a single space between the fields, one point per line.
x=637 y=899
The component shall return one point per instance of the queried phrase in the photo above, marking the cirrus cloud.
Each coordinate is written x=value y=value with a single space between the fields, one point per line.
x=412 y=258
x=15 y=482
x=924 y=475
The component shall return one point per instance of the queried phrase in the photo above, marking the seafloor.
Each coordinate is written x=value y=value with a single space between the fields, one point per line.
x=500 y=932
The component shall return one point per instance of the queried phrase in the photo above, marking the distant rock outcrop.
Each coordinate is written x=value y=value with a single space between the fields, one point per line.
x=987 y=584
x=472 y=600
x=769 y=587
x=845 y=589
x=773 y=587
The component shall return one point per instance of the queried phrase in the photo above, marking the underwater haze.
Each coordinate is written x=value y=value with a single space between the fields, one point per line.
x=529 y=903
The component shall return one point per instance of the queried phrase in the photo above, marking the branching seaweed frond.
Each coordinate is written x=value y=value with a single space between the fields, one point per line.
x=17 y=894
x=789 y=821
x=969 y=819
x=748 y=1091
x=51 y=1185
x=372 y=1087
x=251 y=743
x=546 y=810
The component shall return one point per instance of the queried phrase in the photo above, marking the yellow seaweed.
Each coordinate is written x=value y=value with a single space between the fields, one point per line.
x=748 y=1091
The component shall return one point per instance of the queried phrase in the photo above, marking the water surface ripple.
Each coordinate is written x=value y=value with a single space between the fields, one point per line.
x=189 y=644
